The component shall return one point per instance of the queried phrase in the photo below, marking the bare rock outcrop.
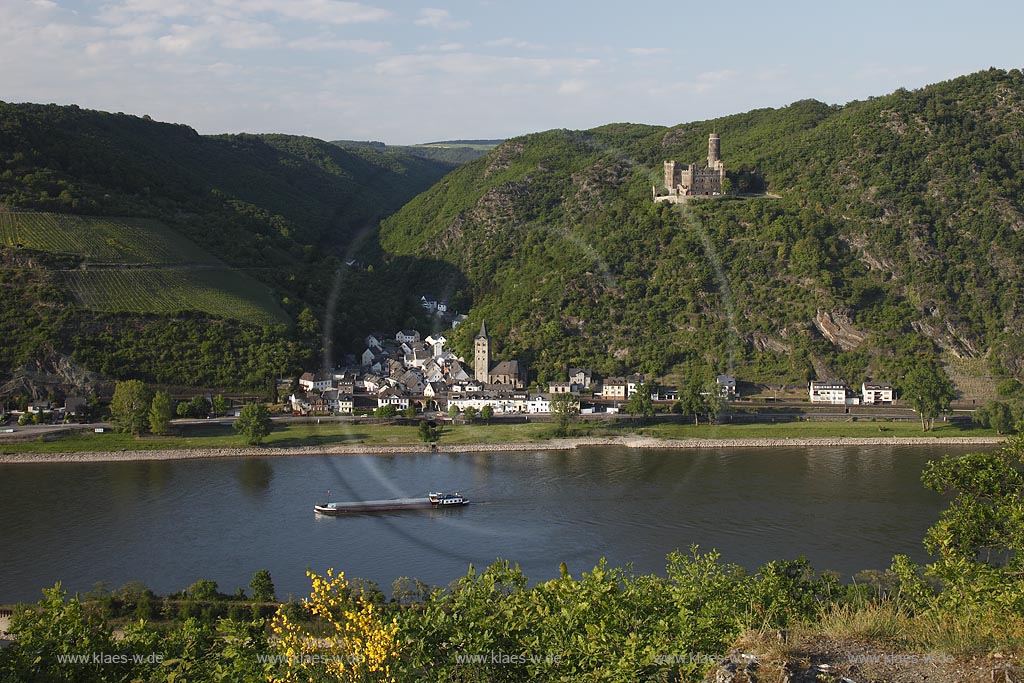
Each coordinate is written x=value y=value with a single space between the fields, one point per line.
x=837 y=327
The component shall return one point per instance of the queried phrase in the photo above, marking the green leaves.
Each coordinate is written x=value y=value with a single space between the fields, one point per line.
x=253 y=423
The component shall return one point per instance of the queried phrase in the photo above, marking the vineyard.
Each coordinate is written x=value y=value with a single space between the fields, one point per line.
x=100 y=240
x=119 y=274
x=216 y=291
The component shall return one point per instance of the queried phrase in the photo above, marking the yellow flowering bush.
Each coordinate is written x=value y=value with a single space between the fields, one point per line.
x=346 y=637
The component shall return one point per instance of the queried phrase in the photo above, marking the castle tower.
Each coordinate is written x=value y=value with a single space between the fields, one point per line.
x=670 y=175
x=481 y=355
x=714 y=151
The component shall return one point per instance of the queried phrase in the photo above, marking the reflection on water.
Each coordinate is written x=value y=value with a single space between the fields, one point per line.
x=170 y=523
x=255 y=475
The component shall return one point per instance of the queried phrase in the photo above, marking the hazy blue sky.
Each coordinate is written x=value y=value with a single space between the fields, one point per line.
x=410 y=71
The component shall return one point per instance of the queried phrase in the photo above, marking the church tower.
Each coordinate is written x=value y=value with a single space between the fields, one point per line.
x=481 y=355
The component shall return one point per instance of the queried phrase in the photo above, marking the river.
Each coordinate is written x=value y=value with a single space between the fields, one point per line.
x=169 y=523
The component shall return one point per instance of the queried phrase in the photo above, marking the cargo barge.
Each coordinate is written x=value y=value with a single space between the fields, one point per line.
x=434 y=500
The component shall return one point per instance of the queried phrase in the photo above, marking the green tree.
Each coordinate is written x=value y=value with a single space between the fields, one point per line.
x=48 y=631
x=160 y=413
x=129 y=408
x=220 y=405
x=979 y=539
x=453 y=411
x=203 y=589
x=388 y=410
x=640 y=402
x=182 y=409
x=199 y=407
x=690 y=398
x=486 y=413
x=410 y=411
x=565 y=408
x=262 y=586
x=428 y=432
x=1000 y=417
x=253 y=423
x=929 y=392
x=470 y=412
x=712 y=400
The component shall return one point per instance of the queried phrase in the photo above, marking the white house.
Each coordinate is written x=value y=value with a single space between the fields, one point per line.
x=726 y=386
x=436 y=344
x=561 y=388
x=829 y=392
x=345 y=404
x=614 y=388
x=580 y=376
x=538 y=404
x=390 y=397
x=434 y=389
x=407 y=336
x=311 y=382
x=877 y=392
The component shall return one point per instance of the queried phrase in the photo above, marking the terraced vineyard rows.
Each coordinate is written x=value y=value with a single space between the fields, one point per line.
x=100 y=240
x=220 y=291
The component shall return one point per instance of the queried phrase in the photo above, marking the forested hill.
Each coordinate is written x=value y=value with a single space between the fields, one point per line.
x=891 y=231
x=137 y=248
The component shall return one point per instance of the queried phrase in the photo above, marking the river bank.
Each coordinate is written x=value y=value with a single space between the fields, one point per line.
x=546 y=445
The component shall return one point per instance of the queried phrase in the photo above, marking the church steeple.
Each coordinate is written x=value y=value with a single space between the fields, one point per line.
x=482 y=355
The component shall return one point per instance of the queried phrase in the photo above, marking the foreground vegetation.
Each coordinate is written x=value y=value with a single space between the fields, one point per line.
x=609 y=624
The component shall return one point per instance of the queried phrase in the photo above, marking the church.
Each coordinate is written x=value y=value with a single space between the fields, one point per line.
x=507 y=372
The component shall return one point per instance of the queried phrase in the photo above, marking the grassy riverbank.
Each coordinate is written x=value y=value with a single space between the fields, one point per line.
x=334 y=434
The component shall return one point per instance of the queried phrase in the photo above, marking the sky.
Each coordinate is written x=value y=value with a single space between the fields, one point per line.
x=407 y=72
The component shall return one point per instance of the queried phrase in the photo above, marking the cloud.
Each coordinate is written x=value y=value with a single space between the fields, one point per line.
x=474 y=64
x=647 y=51
x=513 y=43
x=234 y=35
x=439 y=19
x=337 y=12
x=572 y=87
x=327 y=44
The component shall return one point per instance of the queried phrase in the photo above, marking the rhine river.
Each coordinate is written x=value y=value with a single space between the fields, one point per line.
x=169 y=523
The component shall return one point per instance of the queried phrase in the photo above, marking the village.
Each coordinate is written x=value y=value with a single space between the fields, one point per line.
x=407 y=373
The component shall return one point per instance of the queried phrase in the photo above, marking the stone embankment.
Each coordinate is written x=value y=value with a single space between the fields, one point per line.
x=554 y=444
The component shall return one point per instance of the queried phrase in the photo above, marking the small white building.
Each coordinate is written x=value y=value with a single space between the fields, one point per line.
x=311 y=382
x=407 y=336
x=726 y=386
x=614 y=388
x=390 y=397
x=580 y=376
x=538 y=404
x=877 y=392
x=829 y=392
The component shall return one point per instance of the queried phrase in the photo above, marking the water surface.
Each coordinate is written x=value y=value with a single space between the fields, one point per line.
x=169 y=523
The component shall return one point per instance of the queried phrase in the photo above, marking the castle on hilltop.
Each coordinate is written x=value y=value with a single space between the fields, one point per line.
x=687 y=182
